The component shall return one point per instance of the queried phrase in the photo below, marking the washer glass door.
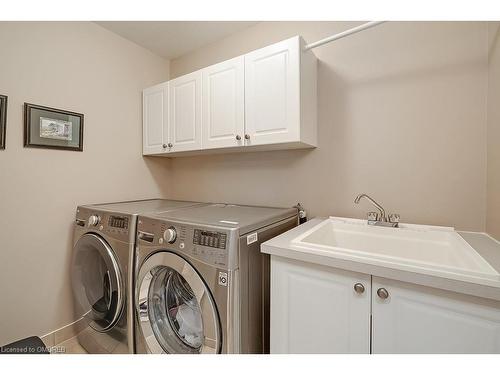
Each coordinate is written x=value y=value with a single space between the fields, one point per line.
x=97 y=282
x=176 y=310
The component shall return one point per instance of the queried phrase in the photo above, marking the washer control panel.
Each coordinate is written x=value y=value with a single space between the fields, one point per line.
x=111 y=224
x=208 y=244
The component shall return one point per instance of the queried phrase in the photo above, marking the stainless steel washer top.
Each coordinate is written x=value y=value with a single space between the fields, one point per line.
x=104 y=241
x=143 y=206
x=243 y=218
x=202 y=284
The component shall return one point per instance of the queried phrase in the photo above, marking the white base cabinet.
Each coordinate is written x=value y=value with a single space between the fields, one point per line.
x=418 y=319
x=316 y=309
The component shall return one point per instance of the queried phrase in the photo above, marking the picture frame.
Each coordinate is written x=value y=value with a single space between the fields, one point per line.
x=46 y=127
x=3 y=120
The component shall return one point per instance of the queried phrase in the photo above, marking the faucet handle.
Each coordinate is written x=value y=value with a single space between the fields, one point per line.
x=372 y=216
x=394 y=218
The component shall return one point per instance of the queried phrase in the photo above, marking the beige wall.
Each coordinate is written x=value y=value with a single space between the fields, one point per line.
x=84 y=68
x=493 y=216
x=402 y=116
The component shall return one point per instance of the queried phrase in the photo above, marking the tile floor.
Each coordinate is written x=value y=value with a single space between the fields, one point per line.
x=70 y=346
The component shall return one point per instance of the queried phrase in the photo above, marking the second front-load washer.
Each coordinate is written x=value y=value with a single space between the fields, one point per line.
x=202 y=284
x=104 y=240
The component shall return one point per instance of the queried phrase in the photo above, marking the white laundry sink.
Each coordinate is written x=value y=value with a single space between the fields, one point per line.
x=420 y=246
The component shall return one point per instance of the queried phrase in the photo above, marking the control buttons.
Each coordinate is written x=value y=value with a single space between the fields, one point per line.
x=170 y=235
x=93 y=220
x=209 y=239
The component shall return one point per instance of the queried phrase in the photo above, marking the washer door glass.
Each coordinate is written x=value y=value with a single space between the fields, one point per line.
x=177 y=312
x=97 y=282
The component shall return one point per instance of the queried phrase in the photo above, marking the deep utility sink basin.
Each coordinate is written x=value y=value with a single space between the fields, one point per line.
x=420 y=246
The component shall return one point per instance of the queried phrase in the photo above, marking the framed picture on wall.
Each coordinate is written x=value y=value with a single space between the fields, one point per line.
x=3 y=120
x=52 y=128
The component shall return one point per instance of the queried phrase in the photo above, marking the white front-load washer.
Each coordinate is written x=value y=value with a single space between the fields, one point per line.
x=103 y=254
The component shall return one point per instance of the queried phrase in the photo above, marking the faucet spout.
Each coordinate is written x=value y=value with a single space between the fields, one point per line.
x=383 y=217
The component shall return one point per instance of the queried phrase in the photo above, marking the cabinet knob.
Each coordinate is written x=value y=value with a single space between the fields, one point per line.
x=359 y=288
x=165 y=145
x=238 y=137
x=170 y=145
x=247 y=136
x=382 y=293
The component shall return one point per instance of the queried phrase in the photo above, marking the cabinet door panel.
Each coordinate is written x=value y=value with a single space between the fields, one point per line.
x=272 y=93
x=223 y=104
x=417 y=319
x=314 y=309
x=155 y=119
x=185 y=112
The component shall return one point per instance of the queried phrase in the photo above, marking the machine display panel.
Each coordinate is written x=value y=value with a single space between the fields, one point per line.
x=210 y=239
x=118 y=222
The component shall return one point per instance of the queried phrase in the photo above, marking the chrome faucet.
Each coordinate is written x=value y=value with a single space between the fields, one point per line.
x=379 y=219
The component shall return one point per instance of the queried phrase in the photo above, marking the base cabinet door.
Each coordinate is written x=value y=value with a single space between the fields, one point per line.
x=185 y=113
x=315 y=309
x=409 y=318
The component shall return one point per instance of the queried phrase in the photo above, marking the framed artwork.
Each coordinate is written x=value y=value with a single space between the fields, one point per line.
x=46 y=127
x=3 y=120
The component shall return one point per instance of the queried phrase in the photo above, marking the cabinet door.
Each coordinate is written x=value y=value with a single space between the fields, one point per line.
x=417 y=319
x=315 y=309
x=185 y=113
x=223 y=119
x=272 y=94
x=155 y=119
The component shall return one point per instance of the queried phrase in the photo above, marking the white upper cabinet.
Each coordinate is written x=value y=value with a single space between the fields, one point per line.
x=263 y=100
x=272 y=94
x=185 y=113
x=280 y=95
x=223 y=98
x=155 y=119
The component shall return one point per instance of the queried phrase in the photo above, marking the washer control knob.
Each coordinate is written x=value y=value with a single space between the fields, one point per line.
x=93 y=220
x=170 y=235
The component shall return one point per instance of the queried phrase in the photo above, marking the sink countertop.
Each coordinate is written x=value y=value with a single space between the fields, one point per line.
x=487 y=247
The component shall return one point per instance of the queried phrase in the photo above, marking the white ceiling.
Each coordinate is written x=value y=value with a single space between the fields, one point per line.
x=171 y=39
